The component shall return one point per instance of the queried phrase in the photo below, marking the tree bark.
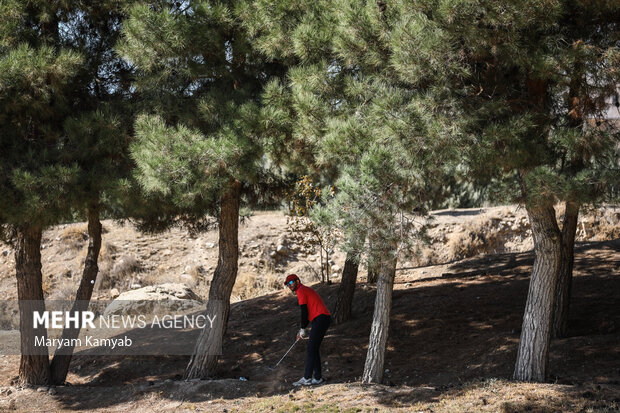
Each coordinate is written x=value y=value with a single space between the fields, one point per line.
x=203 y=363
x=373 y=274
x=346 y=290
x=373 y=265
x=34 y=366
x=375 y=357
x=571 y=213
x=533 y=354
x=565 y=276
x=62 y=357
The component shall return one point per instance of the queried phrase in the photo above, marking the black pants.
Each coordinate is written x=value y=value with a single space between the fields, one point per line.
x=313 y=359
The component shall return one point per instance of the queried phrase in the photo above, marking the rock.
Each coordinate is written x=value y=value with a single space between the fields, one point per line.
x=135 y=286
x=209 y=245
x=335 y=268
x=282 y=249
x=42 y=389
x=273 y=254
x=154 y=299
x=52 y=391
x=114 y=293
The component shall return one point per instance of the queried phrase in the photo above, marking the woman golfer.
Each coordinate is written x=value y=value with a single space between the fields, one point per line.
x=313 y=311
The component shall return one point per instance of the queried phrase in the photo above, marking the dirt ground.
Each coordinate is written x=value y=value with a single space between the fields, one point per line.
x=452 y=346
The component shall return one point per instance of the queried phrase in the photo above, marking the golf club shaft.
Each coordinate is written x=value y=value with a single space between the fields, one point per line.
x=290 y=348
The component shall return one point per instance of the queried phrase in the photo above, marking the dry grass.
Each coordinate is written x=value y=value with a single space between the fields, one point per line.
x=250 y=285
x=491 y=395
x=481 y=236
x=599 y=225
x=507 y=230
x=73 y=237
x=65 y=289
x=192 y=276
x=120 y=273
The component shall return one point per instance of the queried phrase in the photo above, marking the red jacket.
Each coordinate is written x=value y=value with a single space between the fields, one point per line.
x=316 y=306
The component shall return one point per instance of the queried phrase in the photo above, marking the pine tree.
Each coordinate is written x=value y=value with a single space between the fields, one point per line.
x=35 y=77
x=523 y=84
x=64 y=134
x=300 y=34
x=96 y=138
x=379 y=137
x=197 y=145
x=530 y=78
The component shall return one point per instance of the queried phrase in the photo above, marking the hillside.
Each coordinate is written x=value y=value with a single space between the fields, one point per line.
x=455 y=326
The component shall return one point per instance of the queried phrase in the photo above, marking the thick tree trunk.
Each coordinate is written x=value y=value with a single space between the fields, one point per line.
x=62 y=358
x=375 y=357
x=565 y=276
x=34 y=363
x=344 y=300
x=204 y=361
x=533 y=354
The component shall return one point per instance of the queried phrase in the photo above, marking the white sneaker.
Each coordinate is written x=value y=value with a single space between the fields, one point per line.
x=317 y=381
x=303 y=382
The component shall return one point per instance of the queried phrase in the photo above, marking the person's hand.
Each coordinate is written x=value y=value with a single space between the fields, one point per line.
x=302 y=333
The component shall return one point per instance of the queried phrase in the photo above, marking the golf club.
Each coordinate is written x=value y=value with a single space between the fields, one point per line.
x=290 y=348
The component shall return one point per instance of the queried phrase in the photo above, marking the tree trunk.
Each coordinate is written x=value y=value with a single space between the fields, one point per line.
x=372 y=274
x=373 y=264
x=375 y=357
x=565 y=276
x=62 y=357
x=533 y=354
x=34 y=363
x=203 y=363
x=571 y=213
x=344 y=300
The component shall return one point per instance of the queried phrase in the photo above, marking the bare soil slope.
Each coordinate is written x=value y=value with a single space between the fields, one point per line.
x=453 y=337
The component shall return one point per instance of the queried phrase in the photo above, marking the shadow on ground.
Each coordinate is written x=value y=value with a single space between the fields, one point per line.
x=446 y=329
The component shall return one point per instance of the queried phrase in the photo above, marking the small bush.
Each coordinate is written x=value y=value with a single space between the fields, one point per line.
x=249 y=285
x=64 y=290
x=74 y=237
x=120 y=274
